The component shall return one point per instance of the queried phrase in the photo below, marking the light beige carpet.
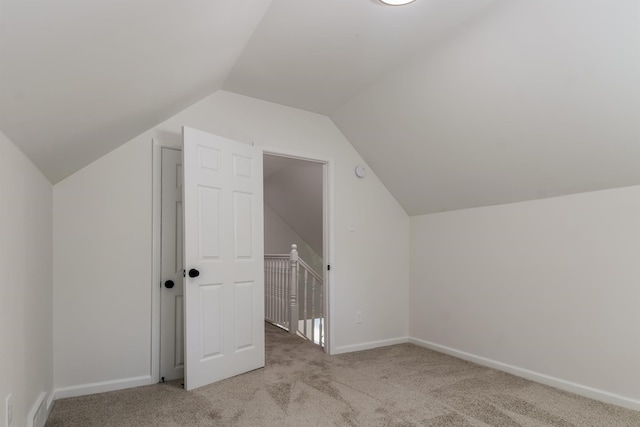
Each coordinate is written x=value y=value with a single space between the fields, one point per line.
x=401 y=385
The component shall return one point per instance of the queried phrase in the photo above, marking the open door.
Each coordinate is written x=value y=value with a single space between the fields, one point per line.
x=223 y=258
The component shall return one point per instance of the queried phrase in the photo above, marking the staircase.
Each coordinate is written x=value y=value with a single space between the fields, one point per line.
x=294 y=295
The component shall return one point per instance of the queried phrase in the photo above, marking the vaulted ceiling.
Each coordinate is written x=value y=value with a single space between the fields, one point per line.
x=453 y=103
x=293 y=190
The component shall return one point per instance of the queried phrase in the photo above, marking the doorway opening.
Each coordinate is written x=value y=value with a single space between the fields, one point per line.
x=313 y=242
x=294 y=245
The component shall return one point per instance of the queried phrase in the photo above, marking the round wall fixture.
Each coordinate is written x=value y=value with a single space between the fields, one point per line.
x=396 y=2
x=361 y=172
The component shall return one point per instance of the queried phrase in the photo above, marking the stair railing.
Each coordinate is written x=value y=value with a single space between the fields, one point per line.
x=294 y=296
x=310 y=294
x=276 y=282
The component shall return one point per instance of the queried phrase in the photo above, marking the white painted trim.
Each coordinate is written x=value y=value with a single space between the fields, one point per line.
x=34 y=410
x=292 y=154
x=155 y=258
x=583 y=390
x=156 y=223
x=50 y=400
x=327 y=247
x=166 y=143
x=102 y=387
x=369 y=345
x=328 y=237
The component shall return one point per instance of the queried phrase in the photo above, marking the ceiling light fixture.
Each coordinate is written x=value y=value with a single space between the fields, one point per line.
x=396 y=2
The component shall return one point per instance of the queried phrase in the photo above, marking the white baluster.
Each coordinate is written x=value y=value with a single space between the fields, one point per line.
x=267 y=272
x=274 y=286
x=281 y=284
x=306 y=302
x=278 y=303
x=270 y=288
x=293 y=290
x=313 y=309
x=287 y=292
x=271 y=291
x=284 y=301
x=321 y=320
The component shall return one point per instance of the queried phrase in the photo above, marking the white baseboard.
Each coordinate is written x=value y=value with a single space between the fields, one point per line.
x=368 y=345
x=50 y=400
x=572 y=387
x=101 y=387
x=38 y=413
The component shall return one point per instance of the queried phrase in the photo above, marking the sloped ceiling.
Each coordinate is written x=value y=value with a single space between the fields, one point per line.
x=453 y=104
x=317 y=55
x=80 y=78
x=293 y=190
x=534 y=99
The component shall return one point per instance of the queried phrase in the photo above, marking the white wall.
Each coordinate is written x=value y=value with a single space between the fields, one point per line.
x=294 y=192
x=102 y=223
x=102 y=272
x=549 y=286
x=279 y=236
x=26 y=367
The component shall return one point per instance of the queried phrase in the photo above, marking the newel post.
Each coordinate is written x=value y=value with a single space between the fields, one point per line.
x=293 y=291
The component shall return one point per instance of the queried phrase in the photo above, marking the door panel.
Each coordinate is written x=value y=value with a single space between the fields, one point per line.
x=211 y=333
x=209 y=218
x=244 y=315
x=224 y=304
x=172 y=305
x=179 y=332
x=242 y=228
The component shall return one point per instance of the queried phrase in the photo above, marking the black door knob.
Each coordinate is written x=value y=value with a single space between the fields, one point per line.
x=168 y=284
x=194 y=273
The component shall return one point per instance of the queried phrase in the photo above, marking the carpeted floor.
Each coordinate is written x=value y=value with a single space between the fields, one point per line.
x=401 y=385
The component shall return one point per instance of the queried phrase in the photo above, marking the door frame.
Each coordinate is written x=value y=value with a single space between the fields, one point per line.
x=156 y=239
x=156 y=218
x=327 y=230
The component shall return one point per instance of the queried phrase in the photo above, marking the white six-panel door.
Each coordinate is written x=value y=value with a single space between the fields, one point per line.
x=224 y=301
x=171 y=297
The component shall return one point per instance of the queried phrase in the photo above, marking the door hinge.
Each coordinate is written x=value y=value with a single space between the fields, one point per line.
x=328 y=267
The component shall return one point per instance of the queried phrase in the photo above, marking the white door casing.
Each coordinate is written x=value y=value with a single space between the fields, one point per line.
x=223 y=231
x=327 y=222
x=171 y=294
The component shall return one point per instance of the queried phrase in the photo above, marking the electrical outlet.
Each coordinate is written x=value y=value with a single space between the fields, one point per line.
x=8 y=401
x=359 y=317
